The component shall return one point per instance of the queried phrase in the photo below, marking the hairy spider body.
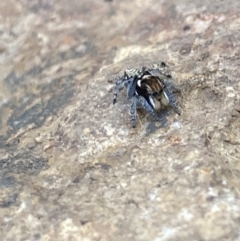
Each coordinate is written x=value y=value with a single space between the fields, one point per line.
x=145 y=87
x=158 y=83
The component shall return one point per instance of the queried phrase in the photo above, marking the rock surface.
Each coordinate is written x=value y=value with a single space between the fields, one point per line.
x=71 y=166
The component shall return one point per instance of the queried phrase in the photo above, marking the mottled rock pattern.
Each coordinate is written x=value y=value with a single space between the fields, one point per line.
x=71 y=166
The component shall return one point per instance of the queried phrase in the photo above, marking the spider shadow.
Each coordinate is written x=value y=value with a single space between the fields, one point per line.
x=156 y=124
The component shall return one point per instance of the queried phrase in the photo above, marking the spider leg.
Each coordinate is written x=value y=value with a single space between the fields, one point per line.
x=147 y=107
x=119 y=85
x=131 y=84
x=168 y=93
x=171 y=86
x=133 y=111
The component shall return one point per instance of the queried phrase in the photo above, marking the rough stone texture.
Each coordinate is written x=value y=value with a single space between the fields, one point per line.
x=71 y=166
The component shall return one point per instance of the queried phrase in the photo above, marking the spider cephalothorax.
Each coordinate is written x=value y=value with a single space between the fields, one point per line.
x=147 y=87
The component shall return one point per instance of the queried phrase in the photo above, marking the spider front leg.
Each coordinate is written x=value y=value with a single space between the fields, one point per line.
x=133 y=111
x=129 y=83
x=169 y=95
x=119 y=85
x=147 y=107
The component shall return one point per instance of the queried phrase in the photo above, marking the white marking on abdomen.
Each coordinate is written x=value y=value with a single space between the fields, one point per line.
x=139 y=83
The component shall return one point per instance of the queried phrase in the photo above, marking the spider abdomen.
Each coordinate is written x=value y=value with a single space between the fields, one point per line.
x=152 y=85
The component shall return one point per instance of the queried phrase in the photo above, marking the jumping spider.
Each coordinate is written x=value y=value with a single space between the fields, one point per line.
x=147 y=86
